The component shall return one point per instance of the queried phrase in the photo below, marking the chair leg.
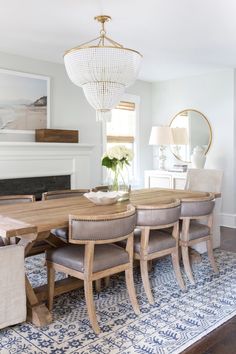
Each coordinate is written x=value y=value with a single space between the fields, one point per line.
x=98 y=285
x=131 y=289
x=211 y=256
x=88 y=291
x=175 y=261
x=150 y=265
x=107 y=281
x=145 y=280
x=187 y=266
x=51 y=286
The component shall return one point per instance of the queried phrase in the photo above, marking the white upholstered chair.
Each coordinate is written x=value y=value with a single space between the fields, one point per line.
x=12 y=289
x=207 y=180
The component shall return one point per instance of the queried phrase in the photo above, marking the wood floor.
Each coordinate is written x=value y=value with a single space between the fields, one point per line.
x=223 y=339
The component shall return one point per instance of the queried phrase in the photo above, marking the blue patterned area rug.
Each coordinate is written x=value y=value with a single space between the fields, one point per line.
x=177 y=320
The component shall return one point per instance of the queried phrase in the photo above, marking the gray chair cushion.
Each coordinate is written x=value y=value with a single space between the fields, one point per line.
x=158 y=241
x=197 y=230
x=62 y=233
x=72 y=256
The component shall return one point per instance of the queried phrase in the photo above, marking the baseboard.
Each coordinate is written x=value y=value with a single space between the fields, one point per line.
x=228 y=220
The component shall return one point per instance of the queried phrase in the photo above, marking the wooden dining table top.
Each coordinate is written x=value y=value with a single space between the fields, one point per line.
x=50 y=214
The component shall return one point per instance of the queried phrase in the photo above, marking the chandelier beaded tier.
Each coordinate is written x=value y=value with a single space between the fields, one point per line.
x=103 y=68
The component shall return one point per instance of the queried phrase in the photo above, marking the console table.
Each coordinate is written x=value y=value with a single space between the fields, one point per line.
x=164 y=179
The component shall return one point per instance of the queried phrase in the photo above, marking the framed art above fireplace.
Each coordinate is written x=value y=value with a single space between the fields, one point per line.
x=24 y=102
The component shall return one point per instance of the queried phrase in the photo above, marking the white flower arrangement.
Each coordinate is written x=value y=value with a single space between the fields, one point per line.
x=117 y=156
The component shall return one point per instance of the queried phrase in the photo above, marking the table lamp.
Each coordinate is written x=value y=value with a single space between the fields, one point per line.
x=179 y=137
x=161 y=136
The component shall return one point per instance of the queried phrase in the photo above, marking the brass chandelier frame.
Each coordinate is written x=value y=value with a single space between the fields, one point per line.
x=101 y=39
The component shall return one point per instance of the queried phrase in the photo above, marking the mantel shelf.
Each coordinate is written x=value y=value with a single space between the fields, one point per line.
x=36 y=145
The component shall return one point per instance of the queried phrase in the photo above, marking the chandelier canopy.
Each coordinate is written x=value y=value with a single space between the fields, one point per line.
x=103 y=68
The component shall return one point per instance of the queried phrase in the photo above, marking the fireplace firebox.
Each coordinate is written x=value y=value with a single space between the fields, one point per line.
x=34 y=185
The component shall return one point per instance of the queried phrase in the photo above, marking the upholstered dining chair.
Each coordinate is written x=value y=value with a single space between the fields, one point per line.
x=151 y=241
x=93 y=255
x=193 y=212
x=14 y=199
x=102 y=188
x=62 y=233
x=207 y=180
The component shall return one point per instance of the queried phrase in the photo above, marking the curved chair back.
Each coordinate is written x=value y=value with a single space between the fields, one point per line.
x=68 y=193
x=102 y=229
x=14 y=199
x=197 y=207
x=158 y=215
x=100 y=188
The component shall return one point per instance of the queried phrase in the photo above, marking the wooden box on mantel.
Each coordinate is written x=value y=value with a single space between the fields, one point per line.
x=56 y=136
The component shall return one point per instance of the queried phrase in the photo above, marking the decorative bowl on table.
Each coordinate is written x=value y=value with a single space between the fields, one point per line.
x=102 y=198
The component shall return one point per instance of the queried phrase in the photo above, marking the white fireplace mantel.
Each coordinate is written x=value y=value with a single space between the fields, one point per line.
x=29 y=159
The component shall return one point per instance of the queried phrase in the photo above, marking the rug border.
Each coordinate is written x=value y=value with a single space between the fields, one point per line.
x=201 y=335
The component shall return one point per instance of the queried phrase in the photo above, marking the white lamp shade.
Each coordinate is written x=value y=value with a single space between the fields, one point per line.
x=160 y=136
x=179 y=136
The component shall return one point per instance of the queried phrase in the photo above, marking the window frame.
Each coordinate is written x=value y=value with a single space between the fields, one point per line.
x=135 y=179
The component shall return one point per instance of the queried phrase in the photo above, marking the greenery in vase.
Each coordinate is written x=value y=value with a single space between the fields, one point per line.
x=115 y=159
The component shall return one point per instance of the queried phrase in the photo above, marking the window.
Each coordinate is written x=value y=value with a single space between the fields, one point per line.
x=122 y=130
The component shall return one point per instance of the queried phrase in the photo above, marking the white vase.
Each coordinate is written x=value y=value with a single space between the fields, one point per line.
x=198 y=157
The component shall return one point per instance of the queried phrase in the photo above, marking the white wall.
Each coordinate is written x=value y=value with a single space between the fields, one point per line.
x=213 y=95
x=70 y=110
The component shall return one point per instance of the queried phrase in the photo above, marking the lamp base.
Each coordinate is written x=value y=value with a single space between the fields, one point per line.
x=162 y=157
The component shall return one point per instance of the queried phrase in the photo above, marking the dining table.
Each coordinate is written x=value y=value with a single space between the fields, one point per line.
x=29 y=223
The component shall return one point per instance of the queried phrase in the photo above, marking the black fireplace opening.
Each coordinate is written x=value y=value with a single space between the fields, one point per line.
x=34 y=185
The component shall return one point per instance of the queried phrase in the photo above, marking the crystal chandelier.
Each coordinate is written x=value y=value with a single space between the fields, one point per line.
x=103 y=68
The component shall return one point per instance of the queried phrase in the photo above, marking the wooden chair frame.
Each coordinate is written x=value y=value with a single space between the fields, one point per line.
x=185 y=242
x=88 y=276
x=145 y=258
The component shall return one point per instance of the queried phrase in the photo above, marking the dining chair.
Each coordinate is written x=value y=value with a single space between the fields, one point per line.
x=62 y=233
x=151 y=241
x=102 y=188
x=93 y=255
x=14 y=199
x=207 y=180
x=193 y=211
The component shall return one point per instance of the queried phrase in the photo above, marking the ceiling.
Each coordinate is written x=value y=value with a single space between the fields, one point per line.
x=177 y=38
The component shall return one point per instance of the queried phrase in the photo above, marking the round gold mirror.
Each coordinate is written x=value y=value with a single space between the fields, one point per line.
x=190 y=130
